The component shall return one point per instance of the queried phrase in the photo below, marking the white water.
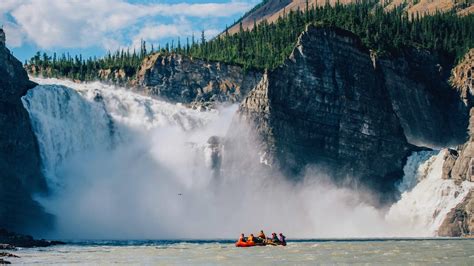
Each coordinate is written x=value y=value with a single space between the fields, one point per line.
x=127 y=166
x=423 y=208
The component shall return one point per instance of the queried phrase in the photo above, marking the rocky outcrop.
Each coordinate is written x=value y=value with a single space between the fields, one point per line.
x=460 y=161
x=20 y=174
x=328 y=106
x=182 y=79
x=459 y=164
x=334 y=105
x=24 y=241
x=460 y=220
x=462 y=78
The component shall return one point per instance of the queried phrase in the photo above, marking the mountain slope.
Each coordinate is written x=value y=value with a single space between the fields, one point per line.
x=273 y=9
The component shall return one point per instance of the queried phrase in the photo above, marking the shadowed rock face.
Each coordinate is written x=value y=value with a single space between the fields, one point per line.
x=182 y=79
x=20 y=174
x=429 y=110
x=334 y=106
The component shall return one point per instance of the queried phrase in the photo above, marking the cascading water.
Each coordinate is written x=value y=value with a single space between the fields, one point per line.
x=122 y=165
x=423 y=207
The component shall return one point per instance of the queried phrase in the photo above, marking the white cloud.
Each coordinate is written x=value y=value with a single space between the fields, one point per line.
x=14 y=33
x=103 y=23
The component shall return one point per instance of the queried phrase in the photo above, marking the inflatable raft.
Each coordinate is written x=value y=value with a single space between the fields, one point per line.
x=242 y=244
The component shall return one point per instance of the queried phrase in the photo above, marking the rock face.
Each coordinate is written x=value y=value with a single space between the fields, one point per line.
x=20 y=174
x=459 y=164
x=333 y=105
x=182 y=79
x=327 y=105
x=460 y=220
x=429 y=110
x=463 y=78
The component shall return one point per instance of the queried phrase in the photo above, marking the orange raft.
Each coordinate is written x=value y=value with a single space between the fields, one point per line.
x=242 y=244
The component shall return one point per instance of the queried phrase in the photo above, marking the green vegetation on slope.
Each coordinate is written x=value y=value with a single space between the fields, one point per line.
x=267 y=45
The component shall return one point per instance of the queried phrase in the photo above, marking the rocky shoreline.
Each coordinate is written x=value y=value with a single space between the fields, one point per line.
x=11 y=241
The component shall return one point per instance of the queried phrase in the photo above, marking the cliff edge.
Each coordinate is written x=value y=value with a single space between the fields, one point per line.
x=20 y=173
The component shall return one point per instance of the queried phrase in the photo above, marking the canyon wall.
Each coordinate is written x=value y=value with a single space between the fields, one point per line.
x=335 y=106
x=20 y=174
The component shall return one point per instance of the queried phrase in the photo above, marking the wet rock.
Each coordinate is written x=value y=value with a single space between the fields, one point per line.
x=7 y=247
x=6 y=254
x=3 y=262
x=449 y=161
x=11 y=239
x=460 y=221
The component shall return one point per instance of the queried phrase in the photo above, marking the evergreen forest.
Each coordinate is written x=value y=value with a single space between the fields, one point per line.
x=266 y=46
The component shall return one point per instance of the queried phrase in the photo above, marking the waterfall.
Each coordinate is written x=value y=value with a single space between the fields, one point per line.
x=95 y=117
x=124 y=165
x=68 y=124
x=426 y=198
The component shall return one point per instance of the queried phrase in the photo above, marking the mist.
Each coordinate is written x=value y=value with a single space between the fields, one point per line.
x=144 y=173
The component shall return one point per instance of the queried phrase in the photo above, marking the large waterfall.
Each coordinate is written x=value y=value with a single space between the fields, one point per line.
x=123 y=165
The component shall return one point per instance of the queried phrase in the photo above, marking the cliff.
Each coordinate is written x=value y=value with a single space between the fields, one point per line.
x=182 y=79
x=334 y=106
x=20 y=174
x=429 y=110
x=459 y=164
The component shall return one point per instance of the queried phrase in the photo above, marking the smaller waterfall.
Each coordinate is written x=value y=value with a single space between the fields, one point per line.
x=427 y=197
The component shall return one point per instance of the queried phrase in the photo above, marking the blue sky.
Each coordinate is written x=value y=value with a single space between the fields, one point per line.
x=93 y=27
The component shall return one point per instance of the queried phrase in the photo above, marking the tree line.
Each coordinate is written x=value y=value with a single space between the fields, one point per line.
x=266 y=46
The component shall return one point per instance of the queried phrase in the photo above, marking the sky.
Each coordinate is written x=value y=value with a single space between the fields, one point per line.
x=93 y=27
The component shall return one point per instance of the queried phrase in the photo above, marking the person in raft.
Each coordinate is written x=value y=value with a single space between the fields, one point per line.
x=275 y=239
x=261 y=237
x=282 y=239
x=251 y=239
x=242 y=238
